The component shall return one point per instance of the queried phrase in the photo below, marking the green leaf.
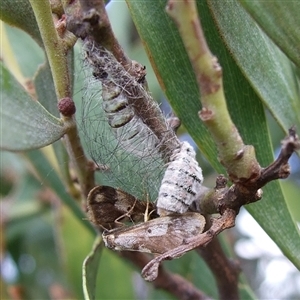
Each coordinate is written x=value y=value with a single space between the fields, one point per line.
x=266 y=68
x=28 y=57
x=18 y=13
x=25 y=123
x=280 y=20
x=174 y=70
x=292 y=190
x=45 y=91
x=75 y=253
x=90 y=270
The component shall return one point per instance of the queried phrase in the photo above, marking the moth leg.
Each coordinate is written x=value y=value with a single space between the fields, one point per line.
x=128 y=214
x=147 y=214
x=150 y=213
x=118 y=223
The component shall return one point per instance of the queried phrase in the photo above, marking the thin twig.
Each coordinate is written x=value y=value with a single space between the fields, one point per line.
x=280 y=169
x=89 y=18
x=55 y=47
x=172 y=283
x=225 y=270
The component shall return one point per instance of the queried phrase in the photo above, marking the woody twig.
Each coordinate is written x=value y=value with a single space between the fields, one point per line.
x=172 y=283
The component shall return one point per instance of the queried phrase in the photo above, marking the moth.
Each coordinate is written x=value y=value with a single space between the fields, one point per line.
x=156 y=236
x=108 y=208
x=182 y=182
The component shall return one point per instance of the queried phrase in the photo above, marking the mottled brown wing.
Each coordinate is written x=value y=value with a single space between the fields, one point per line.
x=156 y=236
x=108 y=207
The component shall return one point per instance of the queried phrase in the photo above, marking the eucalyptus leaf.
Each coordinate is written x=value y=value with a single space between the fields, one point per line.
x=63 y=160
x=90 y=270
x=28 y=57
x=25 y=123
x=18 y=13
x=45 y=91
x=175 y=73
x=268 y=70
x=280 y=20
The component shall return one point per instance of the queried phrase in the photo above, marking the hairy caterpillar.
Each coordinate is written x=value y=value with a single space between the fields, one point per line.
x=178 y=182
x=115 y=134
x=119 y=91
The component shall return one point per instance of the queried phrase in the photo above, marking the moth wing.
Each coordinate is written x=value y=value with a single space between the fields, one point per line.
x=156 y=236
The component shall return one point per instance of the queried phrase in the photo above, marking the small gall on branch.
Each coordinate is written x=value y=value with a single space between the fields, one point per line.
x=66 y=107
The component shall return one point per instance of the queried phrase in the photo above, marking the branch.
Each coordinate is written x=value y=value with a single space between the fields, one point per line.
x=172 y=283
x=225 y=270
x=240 y=194
x=280 y=169
x=89 y=18
x=55 y=47
x=238 y=159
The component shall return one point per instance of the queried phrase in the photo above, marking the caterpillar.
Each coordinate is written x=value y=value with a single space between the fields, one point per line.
x=163 y=162
x=118 y=86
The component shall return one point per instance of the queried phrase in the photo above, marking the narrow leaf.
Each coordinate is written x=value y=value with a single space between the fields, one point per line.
x=90 y=270
x=268 y=70
x=18 y=13
x=44 y=87
x=280 y=20
x=25 y=123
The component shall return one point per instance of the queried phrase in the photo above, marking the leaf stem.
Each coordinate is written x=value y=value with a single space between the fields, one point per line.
x=239 y=159
x=57 y=49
